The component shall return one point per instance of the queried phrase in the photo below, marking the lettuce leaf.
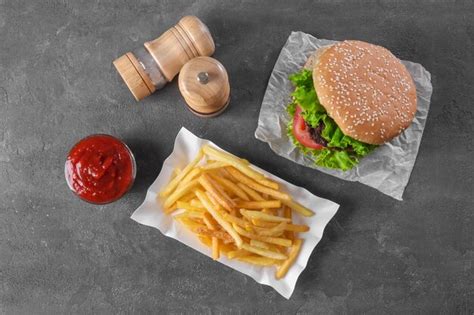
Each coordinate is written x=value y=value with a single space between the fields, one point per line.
x=342 y=151
x=305 y=96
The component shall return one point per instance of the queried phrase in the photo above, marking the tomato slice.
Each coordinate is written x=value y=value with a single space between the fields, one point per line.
x=301 y=131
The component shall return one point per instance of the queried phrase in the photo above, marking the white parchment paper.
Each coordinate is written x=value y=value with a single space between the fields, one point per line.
x=151 y=213
x=388 y=168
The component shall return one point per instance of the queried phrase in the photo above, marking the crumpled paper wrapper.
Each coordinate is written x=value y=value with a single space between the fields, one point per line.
x=388 y=168
x=151 y=213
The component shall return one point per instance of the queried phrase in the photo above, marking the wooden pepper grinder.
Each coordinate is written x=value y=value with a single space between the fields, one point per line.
x=204 y=85
x=149 y=68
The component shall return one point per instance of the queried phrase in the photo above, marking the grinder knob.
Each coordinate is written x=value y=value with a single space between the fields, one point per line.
x=204 y=85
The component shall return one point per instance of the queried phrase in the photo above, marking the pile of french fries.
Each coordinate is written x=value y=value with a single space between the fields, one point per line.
x=235 y=210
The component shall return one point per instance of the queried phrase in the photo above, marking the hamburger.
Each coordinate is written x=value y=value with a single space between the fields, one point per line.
x=349 y=98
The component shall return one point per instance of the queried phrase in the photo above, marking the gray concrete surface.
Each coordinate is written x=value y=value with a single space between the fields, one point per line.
x=378 y=255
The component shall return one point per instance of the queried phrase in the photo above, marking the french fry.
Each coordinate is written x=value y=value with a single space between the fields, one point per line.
x=269 y=183
x=264 y=224
x=214 y=241
x=196 y=203
x=211 y=194
x=213 y=165
x=188 y=206
x=289 y=227
x=226 y=248
x=267 y=232
x=175 y=173
x=171 y=209
x=188 y=197
x=216 y=192
x=283 y=269
x=260 y=261
x=260 y=244
x=216 y=178
x=204 y=230
x=225 y=174
x=206 y=240
x=298 y=208
x=287 y=214
x=218 y=206
x=183 y=190
x=215 y=248
x=230 y=186
x=279 y=249
x=190 y=214
x=223 y=248
x=268 y=239
x=259 y=204
x=215 y=203
x=277 y=230
x=209 y=221
x=256 y=186
x=273 y=234
x=191 y=175
x=249 y=191
x=174 y=183
x=297 y=228
x=232 y=160
x=272 y=211
x=263 y=252
x=262 y=216
x=237 y=253
x=217 y=216
x=191 y=223
x=233 y=219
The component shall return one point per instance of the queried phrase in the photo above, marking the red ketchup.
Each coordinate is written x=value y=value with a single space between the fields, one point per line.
x=100 y=169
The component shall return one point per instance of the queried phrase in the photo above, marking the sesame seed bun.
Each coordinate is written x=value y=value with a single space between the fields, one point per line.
x=311 y=61
x=365 y=89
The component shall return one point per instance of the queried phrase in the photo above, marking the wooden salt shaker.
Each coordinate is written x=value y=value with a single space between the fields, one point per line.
x=149 y=68
x=204 y=85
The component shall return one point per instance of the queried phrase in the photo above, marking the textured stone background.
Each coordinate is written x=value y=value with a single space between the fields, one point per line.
x=378 y=255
